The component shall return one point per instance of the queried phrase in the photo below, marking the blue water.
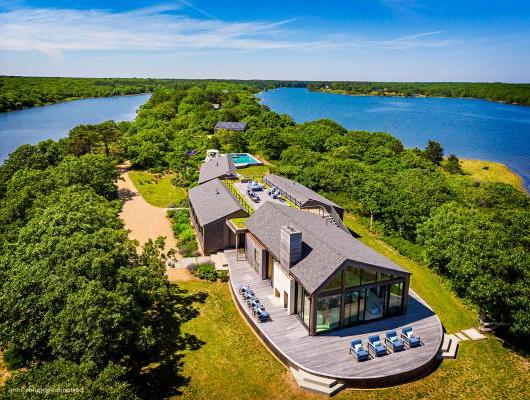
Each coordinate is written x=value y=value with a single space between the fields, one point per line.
x=243 y=158
x=469 y=128
x=53 y=122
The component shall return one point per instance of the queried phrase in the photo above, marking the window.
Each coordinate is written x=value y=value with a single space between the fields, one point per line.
x=381 y=276
x=256 y=255
x=335 y=283
x=352 y=277
x=375 y=300
x=328 y=313
x=303 y=304
x=368 y=277
x=395 y=298
x=351 y=308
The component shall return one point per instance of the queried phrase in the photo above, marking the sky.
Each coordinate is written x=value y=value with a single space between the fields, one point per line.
x=377 y=40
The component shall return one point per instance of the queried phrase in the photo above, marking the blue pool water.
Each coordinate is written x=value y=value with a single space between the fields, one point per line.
x=55 y=121
x=469 y=128
x=244 y=159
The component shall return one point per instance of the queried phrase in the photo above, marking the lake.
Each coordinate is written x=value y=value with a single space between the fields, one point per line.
x=35 y=124
x=469 y=128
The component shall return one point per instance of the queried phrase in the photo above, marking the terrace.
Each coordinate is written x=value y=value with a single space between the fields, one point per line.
x=327 y=355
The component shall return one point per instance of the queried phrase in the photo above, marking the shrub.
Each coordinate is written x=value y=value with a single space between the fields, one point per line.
x=206 y=272
x=223 y=276
x=13 y=360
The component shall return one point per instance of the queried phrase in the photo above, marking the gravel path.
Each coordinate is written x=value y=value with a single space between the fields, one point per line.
x=143 y=220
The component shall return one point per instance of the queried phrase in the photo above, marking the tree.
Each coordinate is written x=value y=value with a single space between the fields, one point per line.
x=434 y=152
x=452 y=165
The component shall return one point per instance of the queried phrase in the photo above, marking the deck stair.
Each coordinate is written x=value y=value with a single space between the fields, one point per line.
x=449 y=347
x=316 y=384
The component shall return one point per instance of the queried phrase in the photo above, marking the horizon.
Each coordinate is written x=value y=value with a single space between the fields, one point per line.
x=364 y=41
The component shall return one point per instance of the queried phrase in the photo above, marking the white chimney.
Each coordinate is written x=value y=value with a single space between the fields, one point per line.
x=290 y=245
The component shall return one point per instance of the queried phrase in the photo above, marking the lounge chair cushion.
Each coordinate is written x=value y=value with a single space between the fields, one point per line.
x=358 y=347
x=377 y=343
x=393 y=339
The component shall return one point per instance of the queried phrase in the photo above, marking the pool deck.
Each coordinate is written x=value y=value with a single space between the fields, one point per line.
x=252 y=161
x=262 y=194
x=327 y=355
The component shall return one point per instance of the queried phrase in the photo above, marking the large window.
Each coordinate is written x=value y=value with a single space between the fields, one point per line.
x=352 y=276
x=368 y=277
x=395 y=299
x=303 y=304
x=335 y=283
x=328 y=313
x=375 y=302
x=351 y=307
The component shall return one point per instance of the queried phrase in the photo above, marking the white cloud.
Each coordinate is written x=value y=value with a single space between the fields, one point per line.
x=167 y=28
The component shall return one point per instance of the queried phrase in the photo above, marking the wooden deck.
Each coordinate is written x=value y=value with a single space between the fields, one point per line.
x=327 y=355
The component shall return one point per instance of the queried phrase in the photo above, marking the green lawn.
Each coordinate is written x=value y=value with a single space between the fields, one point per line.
x=256 y=172
x=430 y=286
x=234 y=364
x=158 y=191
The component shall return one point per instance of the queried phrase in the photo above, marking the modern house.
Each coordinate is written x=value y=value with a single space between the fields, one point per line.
x=230 y=126
x=320 y=286
x=321 y=273
x=211 y=205
x=220 y=166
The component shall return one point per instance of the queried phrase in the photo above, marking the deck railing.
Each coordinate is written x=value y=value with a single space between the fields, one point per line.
x=241 y=200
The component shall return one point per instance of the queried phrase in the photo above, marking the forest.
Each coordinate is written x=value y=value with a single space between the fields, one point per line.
x=18 y=92
x=511 y=93
x=78 y=304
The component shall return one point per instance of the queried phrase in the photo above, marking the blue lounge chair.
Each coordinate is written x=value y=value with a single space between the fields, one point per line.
x=375 y=347
x=357 y=348
x=243 y=289
x=262 y=316
x=409 y=338
x=393 y=343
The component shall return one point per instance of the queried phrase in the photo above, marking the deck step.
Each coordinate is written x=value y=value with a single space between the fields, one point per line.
x=446 y=342
x=452 y=349
x=316 y=384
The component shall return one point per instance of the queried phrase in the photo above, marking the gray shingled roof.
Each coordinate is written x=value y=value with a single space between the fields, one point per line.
x=216 y=168
x=212 y=201
x=325 y=246
x=297 y=190
x=231 y=126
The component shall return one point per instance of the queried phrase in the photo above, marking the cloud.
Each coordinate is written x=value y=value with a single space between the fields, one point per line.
x=167 y=28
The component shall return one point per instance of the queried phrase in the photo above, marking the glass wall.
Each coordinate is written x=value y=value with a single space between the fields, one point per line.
x=303 y=304
x=342 y=302
x=328 y=312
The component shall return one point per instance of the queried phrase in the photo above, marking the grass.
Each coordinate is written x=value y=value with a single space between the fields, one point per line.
x=157 y=190
x=4 y=373
x=256 y=172
x=234 y=364
x=431 y=287
x=489 y=171
x=239 y=222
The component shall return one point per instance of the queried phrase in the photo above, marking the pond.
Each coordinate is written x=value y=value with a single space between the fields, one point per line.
x=35 y=124
x=469 y=128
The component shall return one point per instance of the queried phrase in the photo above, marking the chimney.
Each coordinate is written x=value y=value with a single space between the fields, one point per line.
x=290 y=245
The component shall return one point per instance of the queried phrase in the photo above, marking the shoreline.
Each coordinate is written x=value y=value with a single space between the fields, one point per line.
x=70 y=99
x=418 y=96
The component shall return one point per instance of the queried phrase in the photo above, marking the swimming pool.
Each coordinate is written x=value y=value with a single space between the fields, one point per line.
x=244 y=160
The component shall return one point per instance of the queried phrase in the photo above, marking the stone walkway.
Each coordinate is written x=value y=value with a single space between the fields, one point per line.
x=467 y=334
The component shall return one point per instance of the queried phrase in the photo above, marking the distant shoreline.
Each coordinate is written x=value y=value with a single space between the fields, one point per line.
x=416 y=96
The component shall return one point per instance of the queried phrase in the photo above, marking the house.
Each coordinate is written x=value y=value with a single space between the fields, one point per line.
x=321 y=273
x=230 y=126
x=221 y=167
x=211 y=205
x=315 y=267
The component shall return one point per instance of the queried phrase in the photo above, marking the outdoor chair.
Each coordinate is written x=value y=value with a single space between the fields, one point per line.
x=262 y=316
x=410 y=338
x=243 y=289
x=358 y=350
x=393 y=342
x=375 y=347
